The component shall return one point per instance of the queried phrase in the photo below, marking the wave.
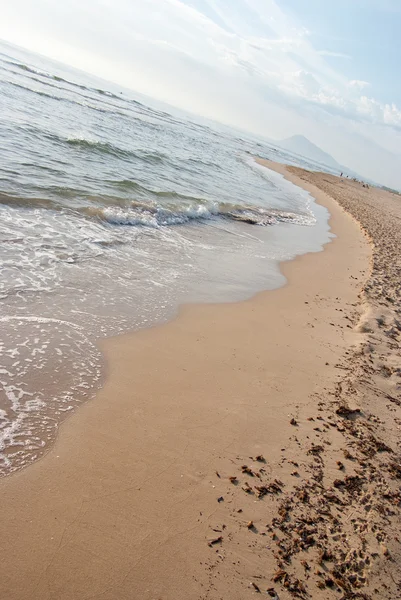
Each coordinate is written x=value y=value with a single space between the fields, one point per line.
x=261 y=216
x=68 y=100
x=107 y=108
x=27 y=68
x=44 y=74
x=113 y=150
x=104 y=147
x=110 y=94
x=151 y=215
x=56 y=78
x=39 y=92
x=163 y=195
x=128 y=185
x=54 y=86
x=167 y=208
x=198 y=162
x=98 y=99
x=21 y=202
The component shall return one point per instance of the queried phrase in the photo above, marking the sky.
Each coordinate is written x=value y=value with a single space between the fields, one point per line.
x=326 y=69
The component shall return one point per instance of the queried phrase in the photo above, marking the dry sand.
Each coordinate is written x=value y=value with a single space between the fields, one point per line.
x=135 y=500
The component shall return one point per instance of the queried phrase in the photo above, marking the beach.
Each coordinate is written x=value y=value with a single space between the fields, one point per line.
x=113 y=213
x=239 y=449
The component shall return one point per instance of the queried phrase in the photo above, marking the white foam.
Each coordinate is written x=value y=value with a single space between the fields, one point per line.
x=68 y=279
x=291 y=193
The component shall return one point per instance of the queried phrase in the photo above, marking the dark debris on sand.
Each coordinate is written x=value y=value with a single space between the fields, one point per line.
x=336 y=526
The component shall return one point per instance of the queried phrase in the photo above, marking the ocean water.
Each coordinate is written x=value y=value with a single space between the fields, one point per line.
x=115 y=210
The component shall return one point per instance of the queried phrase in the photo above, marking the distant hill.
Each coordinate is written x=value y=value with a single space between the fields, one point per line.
x=299 y=144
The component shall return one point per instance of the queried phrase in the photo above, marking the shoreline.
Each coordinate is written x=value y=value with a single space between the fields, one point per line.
x=234 y=260
x=128 y=497
x=248 y=291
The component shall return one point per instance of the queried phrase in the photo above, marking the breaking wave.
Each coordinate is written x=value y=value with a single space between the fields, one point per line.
x=176 y=209
x=146 y=215
x=113 y=213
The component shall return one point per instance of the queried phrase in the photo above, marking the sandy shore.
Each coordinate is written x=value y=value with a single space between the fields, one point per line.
x=135 y=500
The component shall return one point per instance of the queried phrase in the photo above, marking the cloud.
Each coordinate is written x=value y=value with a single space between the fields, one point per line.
x=333 y=54
x=247 y=63
x=249 y=39
x=304 y=83
x=388 y=114
x=358 y=84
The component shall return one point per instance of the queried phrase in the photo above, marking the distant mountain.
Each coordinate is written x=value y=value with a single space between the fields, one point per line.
x=299 y=144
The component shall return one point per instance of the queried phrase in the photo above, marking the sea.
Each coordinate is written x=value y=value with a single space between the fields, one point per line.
x=114 y=211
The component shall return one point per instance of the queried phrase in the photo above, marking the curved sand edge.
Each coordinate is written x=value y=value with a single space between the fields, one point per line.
x=125 y=503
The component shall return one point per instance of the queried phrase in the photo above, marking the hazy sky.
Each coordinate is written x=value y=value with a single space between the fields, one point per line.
x=328 y=69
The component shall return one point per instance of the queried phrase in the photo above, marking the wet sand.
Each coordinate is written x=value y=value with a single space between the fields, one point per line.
x=241 y=448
